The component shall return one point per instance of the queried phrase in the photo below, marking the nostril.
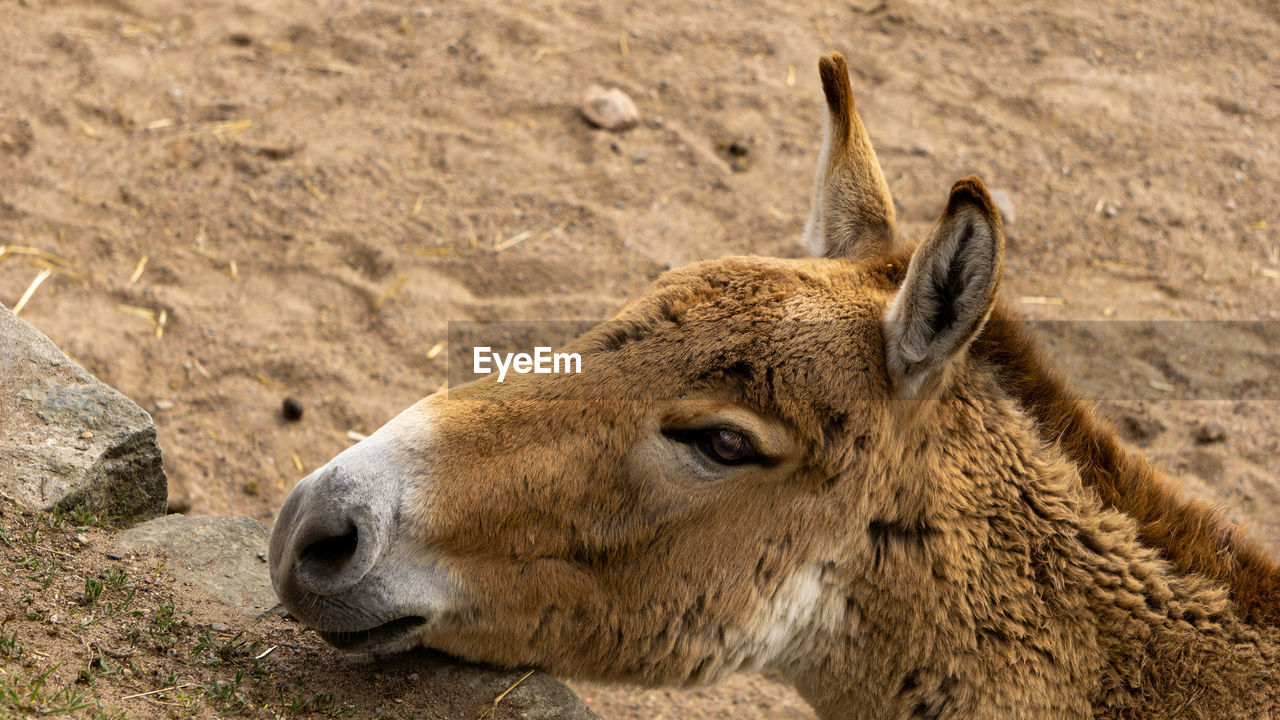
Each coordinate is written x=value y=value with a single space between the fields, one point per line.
x=332 y=530
x=331 y=547
x=328 y=557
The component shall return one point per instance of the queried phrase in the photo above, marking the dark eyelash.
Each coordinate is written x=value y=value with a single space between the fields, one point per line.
x=703 y=439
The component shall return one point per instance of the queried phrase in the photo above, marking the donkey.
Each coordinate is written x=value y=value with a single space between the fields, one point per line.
x=855 y=470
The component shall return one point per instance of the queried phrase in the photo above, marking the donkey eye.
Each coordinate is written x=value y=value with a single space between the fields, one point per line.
x=726 y=446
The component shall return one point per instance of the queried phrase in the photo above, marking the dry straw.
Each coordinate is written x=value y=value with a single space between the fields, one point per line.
x=31 y=290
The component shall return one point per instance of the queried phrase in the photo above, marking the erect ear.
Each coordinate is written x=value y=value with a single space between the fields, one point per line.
x=852 y=212
x=949 y=289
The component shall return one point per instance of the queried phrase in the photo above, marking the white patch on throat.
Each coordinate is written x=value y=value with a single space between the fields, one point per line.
x=785 y=629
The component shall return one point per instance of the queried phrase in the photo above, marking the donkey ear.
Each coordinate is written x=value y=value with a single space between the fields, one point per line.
x=852 y=212
x=949 y=289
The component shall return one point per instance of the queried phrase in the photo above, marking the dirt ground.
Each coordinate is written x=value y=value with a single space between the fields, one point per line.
x=90 y=630
x=242 y=202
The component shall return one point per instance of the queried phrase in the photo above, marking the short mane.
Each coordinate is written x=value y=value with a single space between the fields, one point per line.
x=1191 y=534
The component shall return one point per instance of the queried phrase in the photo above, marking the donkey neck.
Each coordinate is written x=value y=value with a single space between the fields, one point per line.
x=1017 y=593
x=1190 y=534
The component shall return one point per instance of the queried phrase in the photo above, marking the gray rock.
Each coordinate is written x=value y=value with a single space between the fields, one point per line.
x=218 y=554
x=457 y=688
x=66 y=439
x=545 y=698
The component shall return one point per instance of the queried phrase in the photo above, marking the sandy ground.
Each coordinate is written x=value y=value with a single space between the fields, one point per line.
x=257 y=200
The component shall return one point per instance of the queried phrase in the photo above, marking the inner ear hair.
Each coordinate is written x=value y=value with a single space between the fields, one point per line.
x=949 y=290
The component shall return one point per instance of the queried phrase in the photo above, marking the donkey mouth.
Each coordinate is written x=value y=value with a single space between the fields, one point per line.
x=374 y=638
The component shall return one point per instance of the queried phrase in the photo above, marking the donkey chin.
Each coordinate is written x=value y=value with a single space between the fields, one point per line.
x=339 y=563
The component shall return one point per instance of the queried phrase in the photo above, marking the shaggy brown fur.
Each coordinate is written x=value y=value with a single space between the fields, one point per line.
x=928 y=525
x=931 y=570
x=1191 y=534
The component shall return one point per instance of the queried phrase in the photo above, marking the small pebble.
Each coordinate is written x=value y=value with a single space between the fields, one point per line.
x=291 y=409
x=262 y=557
x=114 y=556
x=81 y=539
x=163 y=405
x=412 y=677
x=610 y=109
x=1110 y=210
x=219 y=627
x=1210 y=433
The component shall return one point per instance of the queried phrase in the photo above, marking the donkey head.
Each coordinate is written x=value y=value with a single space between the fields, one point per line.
x=697 y=499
